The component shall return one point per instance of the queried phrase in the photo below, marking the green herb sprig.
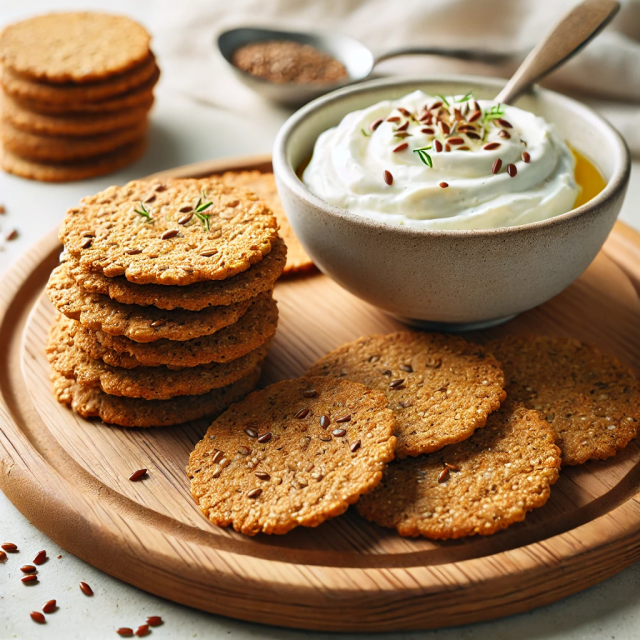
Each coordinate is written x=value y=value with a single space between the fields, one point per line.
x=364 y=133
x=496 y=111
x=424 y=156
x=202 y=205
x=466 y=97
x=439 y=95
x=144 y=212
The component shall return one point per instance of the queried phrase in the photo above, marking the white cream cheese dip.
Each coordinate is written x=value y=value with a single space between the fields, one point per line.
x=437 y=162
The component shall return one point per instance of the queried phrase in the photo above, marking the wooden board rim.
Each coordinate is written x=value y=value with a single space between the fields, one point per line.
x=23 y=469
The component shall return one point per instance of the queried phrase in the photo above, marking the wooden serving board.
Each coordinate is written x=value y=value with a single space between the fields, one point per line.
x=69 y=477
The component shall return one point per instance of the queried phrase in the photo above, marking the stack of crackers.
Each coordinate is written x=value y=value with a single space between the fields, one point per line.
x=479 y=435
x=76 y=92
x=164 y=300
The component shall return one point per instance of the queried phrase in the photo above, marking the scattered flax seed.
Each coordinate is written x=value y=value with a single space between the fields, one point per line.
x=9 y=546
x=496 y=166
x=401 y=147
x=87 y=243
x=86 y=589
x=526 y=157
x=339 y=433
x=437 y=145
x=403 y=127
x=58 y=557
x=388 y=178
x=444 y=475
x=474 y=116
x=154 y=621
x=354 y=446
x=444 y=185
x=27 y=568
x=265 y=437
x=150 y=198
x=125 y=632
x=342 y=419
x=310 y=393
x=303 y=413
x=452 y=467
x=504 y=123
x=186 y=218
x=512 y=170
x=447 y=147
x=158 y=323
x=142 y=630
x=325 y=421
x=252 y=433
x=36 y=616
x=491 y=146
x=49 y=606
x=41 y=558
x=396 y=383
x=3 y=556
x=393 y=119
x=2 y=209
x=375 y=124
x=504 y=134
x=29 y=578
x=12 y=235
x=169 y=233
x=428 y=130
x=217 y=457
x=455 y=141
x=254 y=493
x=435 y=105
x=137 y=475
x=132 y=252
x=407 y=367
x=208 y=253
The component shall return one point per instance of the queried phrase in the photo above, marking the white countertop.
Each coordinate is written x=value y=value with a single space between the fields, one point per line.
x=183 y=132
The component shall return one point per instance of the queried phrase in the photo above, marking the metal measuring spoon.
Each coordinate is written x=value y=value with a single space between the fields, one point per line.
x=356 y=58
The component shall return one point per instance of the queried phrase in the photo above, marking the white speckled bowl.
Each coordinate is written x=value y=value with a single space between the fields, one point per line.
x=451 y=280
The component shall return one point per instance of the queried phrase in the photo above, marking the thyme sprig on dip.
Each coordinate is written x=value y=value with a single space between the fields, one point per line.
x=144 y=212
x=424 y=156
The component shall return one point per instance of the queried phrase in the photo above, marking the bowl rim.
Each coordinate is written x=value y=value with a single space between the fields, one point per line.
x=286 y=173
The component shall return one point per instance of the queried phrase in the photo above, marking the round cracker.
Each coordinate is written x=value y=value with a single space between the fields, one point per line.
x=42 y=148
x=150 y=383
x=300 y=474
x=591 y=399
x=142 y=97
x=73 y=46
x=83 y=170
x=237 y=231
x=441 y=388
x=264 y=186
x=142 y=324
x=257 y=279
x=20 y=87
x=255 y=328
x=90 y=402
x=475 y=487
x=64 y=125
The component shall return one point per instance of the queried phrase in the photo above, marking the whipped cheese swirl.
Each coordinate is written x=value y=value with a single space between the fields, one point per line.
x=468 y=164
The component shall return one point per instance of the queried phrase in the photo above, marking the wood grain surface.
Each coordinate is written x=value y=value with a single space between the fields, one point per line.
x=69 y=476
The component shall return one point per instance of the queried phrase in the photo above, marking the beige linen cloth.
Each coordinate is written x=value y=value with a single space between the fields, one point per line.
x=606 y=74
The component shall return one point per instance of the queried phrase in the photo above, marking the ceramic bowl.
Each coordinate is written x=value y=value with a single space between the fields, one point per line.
x=451 y=280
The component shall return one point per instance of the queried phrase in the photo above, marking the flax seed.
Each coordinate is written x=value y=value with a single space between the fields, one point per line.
x=496 y=166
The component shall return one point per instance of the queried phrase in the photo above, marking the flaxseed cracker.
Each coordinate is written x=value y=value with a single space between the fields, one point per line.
x=71 y=172
x=150 y=383
x=475 y=487
x=264 y=186
x=128 y=223
x=441 y=388
x=142 y=324
x=267 y=465
x=137 y=98
x=69 y=125
x=43 y=148
x=90 y=402
x=257 y=279
x=592 y=400
x=255 y=328
x=73 y=46
x=20 y=87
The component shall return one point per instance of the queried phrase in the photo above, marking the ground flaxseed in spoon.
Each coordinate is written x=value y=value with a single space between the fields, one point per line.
x=283 y=62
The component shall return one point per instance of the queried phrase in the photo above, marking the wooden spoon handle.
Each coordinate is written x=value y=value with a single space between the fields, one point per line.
x=583 y=23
